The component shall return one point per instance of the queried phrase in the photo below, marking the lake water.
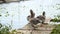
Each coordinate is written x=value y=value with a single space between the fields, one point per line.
x=18 y=11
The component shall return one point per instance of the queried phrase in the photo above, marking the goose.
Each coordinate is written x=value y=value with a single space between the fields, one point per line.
x=32 y=20
x=31 y=16
x=41 y=17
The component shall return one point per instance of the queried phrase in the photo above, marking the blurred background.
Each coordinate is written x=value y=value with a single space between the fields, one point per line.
x=15 y=12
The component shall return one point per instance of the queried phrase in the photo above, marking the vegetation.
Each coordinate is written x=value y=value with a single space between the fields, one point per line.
x=56 y=19
x=56 y=30
x=6 y=29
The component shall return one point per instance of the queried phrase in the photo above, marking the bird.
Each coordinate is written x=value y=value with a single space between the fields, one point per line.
x=32 y=20
x=41 y=17
x=32 y=15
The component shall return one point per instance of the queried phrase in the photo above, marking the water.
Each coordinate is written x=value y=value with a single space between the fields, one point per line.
x=20 y=10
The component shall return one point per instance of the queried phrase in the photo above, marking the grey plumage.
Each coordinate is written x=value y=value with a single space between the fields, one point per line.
x=34 y=21
x=42 y=17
